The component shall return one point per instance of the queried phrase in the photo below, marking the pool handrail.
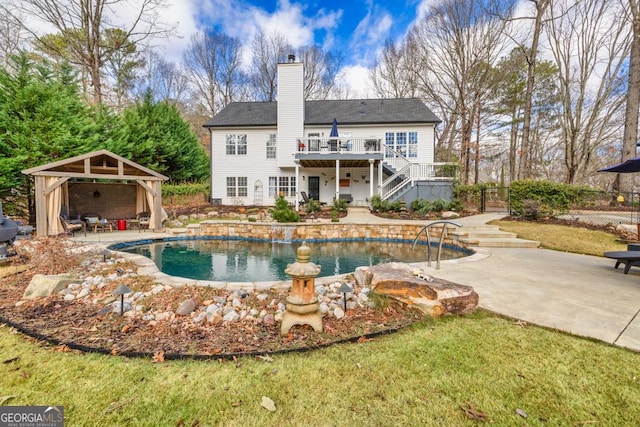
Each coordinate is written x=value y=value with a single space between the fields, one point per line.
x=443 y=234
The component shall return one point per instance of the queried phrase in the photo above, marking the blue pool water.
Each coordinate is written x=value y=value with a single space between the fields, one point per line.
x=257 y=261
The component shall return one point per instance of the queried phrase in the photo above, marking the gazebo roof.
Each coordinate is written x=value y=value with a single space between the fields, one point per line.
x=101 y=164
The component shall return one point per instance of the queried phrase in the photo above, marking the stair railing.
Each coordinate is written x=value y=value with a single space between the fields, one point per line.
x=443 y=234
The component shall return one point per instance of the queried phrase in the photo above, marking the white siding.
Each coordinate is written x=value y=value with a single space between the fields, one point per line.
x=254 y=165
x=290 y=111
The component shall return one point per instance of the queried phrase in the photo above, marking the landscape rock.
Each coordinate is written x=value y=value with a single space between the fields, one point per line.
x=43 y=286
x=231 y=316
x=434 y=298
x=269 y=320
x=214 y=318
x=187 y=307
x=449 y=215
x=165 y=315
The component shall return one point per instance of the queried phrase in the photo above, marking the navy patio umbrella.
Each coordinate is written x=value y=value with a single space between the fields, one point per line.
x=628 y=166
x=334 y=129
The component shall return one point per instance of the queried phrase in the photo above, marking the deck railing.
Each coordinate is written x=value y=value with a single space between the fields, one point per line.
x=339 y=145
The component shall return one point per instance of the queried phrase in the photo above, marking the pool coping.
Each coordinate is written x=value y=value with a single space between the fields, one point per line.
x=146 y=267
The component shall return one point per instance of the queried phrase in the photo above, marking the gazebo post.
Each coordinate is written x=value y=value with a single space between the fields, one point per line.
x=41 y=208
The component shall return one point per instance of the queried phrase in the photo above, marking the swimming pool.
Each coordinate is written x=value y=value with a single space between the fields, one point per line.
x=254 y=260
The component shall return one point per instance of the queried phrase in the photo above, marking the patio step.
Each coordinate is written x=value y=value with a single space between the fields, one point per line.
x=490 y=236
x=501 y=242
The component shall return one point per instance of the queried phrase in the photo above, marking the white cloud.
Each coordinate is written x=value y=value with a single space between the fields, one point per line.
x=370 y=34
x=356 y=79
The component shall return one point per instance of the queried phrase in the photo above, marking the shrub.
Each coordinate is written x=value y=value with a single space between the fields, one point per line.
x=379 y=205
x=535 y=210
x=555 y=197
x=456 y=205
x=339 y=205
x=313 y=206
x=440 y=205
x=422 y=206
x=187 y=189
x=283 y=212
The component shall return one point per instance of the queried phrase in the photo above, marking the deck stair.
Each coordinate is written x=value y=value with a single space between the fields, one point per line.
x=490 y=236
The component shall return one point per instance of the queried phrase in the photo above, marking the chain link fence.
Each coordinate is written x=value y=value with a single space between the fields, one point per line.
x=606 y=208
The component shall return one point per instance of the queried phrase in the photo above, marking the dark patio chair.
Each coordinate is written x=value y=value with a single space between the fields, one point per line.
x=70 y=227
x=305 y=198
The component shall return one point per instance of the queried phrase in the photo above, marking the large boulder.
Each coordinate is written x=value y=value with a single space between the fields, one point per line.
x=42 y=285
x=431 y=295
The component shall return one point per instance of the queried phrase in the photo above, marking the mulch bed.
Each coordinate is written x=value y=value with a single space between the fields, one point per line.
x=77 y=324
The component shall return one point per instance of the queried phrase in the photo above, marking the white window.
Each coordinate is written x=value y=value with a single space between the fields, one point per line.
x=237 y=186
x=413 y=144
x=273 y=186
x=271 y=146
x=236 y=144
x=398 y=141
x=285 y=185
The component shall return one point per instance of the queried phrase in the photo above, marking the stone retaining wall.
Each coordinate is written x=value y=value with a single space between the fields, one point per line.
x=312 y=231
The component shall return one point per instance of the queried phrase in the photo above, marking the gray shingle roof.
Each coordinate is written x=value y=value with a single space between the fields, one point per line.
x=350 y=111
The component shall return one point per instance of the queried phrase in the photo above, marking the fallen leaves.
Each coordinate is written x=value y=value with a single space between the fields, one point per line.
x=470 y=411
x=114 y=406
x=158 y=357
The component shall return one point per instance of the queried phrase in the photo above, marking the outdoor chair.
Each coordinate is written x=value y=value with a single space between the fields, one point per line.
x=70 y=227
x=143 y=219
x=305 y=198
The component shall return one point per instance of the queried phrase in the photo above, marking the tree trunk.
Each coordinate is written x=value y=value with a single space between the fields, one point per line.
x=630 y=137
x=525 y=163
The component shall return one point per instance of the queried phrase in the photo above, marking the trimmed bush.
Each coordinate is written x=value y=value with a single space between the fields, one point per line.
x=534 y=198
x=283 y=212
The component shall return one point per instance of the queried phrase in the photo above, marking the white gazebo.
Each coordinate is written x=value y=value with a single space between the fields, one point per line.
x=52 y=186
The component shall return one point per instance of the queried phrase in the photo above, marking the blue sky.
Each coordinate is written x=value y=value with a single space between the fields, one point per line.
x=356 y=29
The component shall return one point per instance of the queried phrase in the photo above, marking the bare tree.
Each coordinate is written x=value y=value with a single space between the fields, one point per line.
x=630 y=137
x=213 y=65
x=531 y=55
x=590 y=48
x=394 y=74
x=81 y=24
x=12 y=36
x=267 y=50
x=458 y=42
x=320 y=71
x=165 y=80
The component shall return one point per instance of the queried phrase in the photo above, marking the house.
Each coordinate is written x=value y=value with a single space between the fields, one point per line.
x=385 y=147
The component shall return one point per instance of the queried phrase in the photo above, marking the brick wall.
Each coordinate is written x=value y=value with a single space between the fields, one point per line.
x=109 y=200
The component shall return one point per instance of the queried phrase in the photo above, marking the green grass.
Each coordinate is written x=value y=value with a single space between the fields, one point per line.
x=421 y=376
x=564 y=238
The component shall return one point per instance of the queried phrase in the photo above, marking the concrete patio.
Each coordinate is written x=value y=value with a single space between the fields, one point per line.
x=578 y=294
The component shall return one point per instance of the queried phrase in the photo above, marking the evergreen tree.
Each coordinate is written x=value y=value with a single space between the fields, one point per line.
x=156 y=136
x=41 y=120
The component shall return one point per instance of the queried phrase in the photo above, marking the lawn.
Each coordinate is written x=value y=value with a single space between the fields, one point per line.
x=448 y=372
x=454 y=371
x=564 y=238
